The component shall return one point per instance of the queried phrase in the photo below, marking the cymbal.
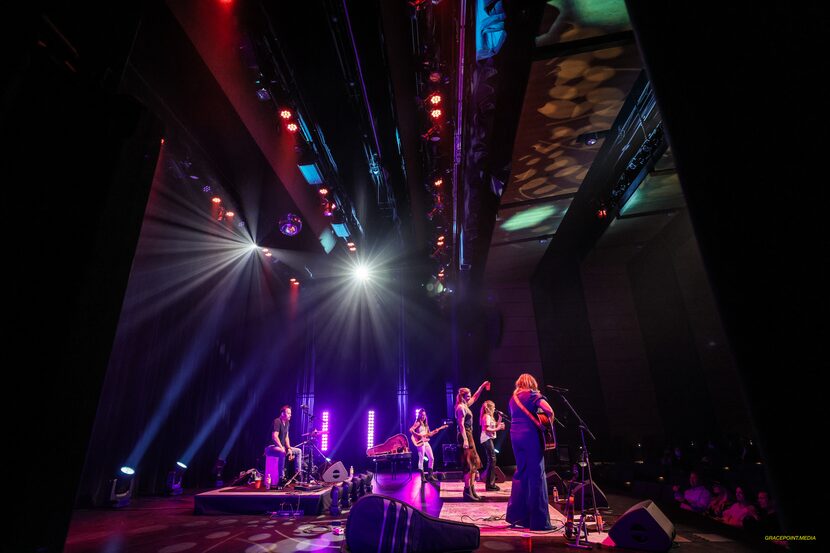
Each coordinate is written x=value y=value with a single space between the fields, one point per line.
x=315 y=432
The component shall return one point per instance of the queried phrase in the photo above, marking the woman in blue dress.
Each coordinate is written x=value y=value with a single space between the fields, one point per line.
x=528 y=505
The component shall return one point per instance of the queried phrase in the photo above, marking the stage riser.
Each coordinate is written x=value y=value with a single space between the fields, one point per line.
x=250 y=503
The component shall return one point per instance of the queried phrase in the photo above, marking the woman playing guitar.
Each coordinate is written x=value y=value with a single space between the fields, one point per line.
x=528 y=504
x=420 y=439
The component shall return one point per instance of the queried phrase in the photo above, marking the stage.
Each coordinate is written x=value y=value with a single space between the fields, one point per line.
x=170 y=524
x=245 y=500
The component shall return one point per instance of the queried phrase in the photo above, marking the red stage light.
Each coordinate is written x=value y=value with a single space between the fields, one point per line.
x=296 y=283
x=439 y=182
x=352 y=249
x=265 y=250
x=162 y=141
x=268 y=254
x=441 y=238
x=323 y=191
x=350 y=244
x=436 y=113
x=229 y=214
x=435 y=99
x=292 y=280
x=435 y=76
x=285 y=114
x=216 y=200
x=292 y=127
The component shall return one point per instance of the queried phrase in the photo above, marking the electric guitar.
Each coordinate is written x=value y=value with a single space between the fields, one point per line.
x=424 y=438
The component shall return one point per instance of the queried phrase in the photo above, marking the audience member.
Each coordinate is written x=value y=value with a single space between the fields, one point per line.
x=696 y=497
x=738 y=511
x=764 y=520
x=720 y=500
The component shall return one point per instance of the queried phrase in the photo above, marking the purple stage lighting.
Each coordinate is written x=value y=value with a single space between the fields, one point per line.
x=291 y=225
x=370 y=430
x=324 y=441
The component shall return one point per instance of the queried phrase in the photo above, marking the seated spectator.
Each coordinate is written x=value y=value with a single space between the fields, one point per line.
x=720 y=500
x=694 y=498
x=735 y=514
x=764 y=521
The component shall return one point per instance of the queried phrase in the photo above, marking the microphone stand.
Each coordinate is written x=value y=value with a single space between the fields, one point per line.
x=582 y=529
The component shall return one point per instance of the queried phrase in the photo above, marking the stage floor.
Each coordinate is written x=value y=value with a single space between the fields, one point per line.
x=169 y=525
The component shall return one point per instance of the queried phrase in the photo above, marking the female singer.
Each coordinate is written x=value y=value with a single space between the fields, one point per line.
x=528 y=505
x=489 y=427
x=419 y=430
x=470 y=462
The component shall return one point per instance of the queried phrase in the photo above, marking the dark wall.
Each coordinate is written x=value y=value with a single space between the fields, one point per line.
x=78 y=160
x=567 y=350
x=682 y=395
x=769 y=291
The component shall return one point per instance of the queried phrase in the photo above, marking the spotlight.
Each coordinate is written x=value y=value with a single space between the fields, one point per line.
x=292 y=127
x=291 y=225
x=436 y=113
x=435 y=77
x=216 y=200
x=591 y=138
x=206 y=189
x=285 y=113
x=439 y=182
x=265 y=250
x=263 y=94
x=435 y=99
x=294 y=281
x=361 y=272
x=173 y=485
x=268 y=254
x=230 y=214
x=323 y=191
x=117 y=491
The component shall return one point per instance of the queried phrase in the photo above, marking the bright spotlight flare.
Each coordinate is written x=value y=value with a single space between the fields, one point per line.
x=361 y=273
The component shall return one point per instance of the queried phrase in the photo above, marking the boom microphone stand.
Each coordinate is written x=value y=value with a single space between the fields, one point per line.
x=582 y=529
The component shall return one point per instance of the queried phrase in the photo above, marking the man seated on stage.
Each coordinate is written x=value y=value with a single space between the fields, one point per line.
x=282 y=445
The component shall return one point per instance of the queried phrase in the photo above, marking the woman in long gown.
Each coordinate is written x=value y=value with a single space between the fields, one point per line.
x=528 y=505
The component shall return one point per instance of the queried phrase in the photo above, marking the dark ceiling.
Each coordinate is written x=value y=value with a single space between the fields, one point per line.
x=356 y=75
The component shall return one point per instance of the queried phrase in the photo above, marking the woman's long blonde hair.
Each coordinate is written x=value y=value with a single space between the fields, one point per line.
x=460 y=395
x=488 y=407
x=526 y=382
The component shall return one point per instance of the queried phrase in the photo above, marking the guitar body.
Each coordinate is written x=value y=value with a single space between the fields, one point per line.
x=424 y=438
x=547 y=434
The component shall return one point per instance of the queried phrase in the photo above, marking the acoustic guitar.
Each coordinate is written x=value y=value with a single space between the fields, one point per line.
x=425 y=437
x=547 y=431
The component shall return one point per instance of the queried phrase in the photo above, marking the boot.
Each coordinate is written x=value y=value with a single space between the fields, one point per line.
x=468 y=496
x=491 y=482
x=473 y=492
x=423 y=476
x=431 y=476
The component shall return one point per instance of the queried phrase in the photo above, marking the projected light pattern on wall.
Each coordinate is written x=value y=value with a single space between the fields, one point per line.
x=370 y=430
x=324 y=441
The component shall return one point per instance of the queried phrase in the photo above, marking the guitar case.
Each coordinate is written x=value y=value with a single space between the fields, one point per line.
x=382 y=523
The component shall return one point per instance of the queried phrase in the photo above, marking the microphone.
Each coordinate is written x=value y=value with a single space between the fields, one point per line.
x=502 y=413
x=556 y=388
